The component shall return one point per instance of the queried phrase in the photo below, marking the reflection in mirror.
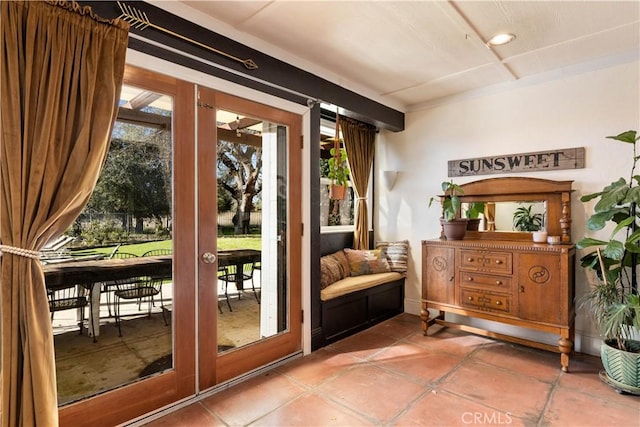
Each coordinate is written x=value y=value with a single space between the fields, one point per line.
x=105 y=334
x=525 y=216
x=252 y=218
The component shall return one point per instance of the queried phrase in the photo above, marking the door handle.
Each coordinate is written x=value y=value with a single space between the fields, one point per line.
x=208 y=258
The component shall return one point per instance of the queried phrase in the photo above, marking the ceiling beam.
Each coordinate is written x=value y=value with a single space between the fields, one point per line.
x=465 y=24
x=142 y=100
x=270 y=72
x=141 y=118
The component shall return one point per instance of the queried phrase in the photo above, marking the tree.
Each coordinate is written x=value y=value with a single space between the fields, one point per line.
x=240 y=174
x=133 y=181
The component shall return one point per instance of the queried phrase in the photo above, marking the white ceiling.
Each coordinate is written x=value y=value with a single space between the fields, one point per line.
x=411 y=54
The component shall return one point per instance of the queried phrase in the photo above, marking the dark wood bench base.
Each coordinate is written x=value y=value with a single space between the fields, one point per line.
x=345 y=315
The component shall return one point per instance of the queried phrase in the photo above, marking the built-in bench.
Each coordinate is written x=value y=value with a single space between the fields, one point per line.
x=379 y=297
x=357 y=293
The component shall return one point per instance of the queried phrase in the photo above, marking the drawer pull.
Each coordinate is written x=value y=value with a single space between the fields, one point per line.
x=470 y=298
x=498 y=261
x=470 y=279
x=498 y=282
x=469 y=259
x=498 y=302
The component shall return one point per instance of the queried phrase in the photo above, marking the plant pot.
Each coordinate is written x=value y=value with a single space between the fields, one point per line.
x=337 y=192
x=454 y=229
x=539 y=236
x=473 y=224
x=622 y=367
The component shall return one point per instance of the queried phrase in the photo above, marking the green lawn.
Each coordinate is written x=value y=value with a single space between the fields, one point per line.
x=224 y=243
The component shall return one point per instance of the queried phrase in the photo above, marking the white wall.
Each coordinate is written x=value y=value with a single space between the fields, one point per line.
x=577 y=110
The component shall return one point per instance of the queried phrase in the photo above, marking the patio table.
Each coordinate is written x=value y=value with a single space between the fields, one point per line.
x=94 y=273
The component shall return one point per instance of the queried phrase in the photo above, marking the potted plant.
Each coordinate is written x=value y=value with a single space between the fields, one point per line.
x=454 y=228
x=525 y=220
x=613 y=300
x=473 y=215
x=338 y=172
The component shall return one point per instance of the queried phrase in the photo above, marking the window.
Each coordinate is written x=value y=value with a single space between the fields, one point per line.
x=335 y=215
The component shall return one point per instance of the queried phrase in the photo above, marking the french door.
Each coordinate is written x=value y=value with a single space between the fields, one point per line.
x=256 y=230
x=249 y=235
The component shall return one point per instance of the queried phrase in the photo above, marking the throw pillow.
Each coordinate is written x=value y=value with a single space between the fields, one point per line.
x=366 y=261
x=397 y=254
x=333 y=267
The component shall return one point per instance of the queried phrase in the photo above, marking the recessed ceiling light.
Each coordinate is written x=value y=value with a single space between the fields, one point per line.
x=500 y=39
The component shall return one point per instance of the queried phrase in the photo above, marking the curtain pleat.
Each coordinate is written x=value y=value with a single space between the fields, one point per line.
x=359 y=142
x=61 y=73
x=490 y=214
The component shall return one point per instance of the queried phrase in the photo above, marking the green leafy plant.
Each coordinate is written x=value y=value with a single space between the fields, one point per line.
x=613 y=300
x=338 y=167
x=475 y=209
x=525 y=220
x=450 y=200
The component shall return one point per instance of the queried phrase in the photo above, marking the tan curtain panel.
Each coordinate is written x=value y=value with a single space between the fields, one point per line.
x=359 y=142
x=62 y=70
x=490 y=214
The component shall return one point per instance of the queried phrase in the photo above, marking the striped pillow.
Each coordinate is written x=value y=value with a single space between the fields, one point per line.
x=397 y=254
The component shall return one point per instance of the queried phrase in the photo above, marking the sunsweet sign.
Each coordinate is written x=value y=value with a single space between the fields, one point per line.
x=567 y=158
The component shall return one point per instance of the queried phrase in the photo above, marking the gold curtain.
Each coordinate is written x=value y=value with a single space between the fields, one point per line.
x=490 y=215
x=359 y=142
x=62 y=70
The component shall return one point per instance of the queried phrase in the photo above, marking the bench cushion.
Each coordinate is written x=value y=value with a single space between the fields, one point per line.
x=356 y=283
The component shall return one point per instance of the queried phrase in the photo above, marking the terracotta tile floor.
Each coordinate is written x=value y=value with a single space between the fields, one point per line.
x=391 y=375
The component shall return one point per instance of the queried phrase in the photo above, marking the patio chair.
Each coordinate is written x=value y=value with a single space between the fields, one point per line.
x=155 y=252
x=223 y=276
x=107 y=287
x=70 y=296
x=257 y=265
x=230 y=275
x=139 y=289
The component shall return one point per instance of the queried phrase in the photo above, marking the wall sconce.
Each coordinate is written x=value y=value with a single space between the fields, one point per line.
x=389 y=178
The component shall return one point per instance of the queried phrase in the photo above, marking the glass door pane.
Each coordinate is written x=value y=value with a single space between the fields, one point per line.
x=249 y=240
x=252 y=216
x=115 y=263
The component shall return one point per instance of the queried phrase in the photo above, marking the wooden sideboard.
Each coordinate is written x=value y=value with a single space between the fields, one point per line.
x=506 y=277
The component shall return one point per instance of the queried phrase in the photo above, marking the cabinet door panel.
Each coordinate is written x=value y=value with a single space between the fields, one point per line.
x=439 y=269
x=539 y=288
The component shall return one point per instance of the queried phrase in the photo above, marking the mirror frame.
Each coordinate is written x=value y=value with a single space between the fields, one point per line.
x=556 y=194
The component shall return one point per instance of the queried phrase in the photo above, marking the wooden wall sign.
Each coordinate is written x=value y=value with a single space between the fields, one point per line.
x=567 y=158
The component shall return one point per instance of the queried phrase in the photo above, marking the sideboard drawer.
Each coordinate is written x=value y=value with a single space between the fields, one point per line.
x=486 y=281
x=487 y=261
x=485 y=301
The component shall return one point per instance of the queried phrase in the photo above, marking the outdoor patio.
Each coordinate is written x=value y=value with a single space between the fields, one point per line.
x=85 y=368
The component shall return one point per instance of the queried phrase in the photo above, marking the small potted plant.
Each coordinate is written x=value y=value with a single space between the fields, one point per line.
x=614 y=300
x=473 y=215
x=525 y=220
x=454 y=227
x=338 y=173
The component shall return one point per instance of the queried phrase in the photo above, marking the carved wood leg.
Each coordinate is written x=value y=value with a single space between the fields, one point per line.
x=424 y=317
x=565 y=345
